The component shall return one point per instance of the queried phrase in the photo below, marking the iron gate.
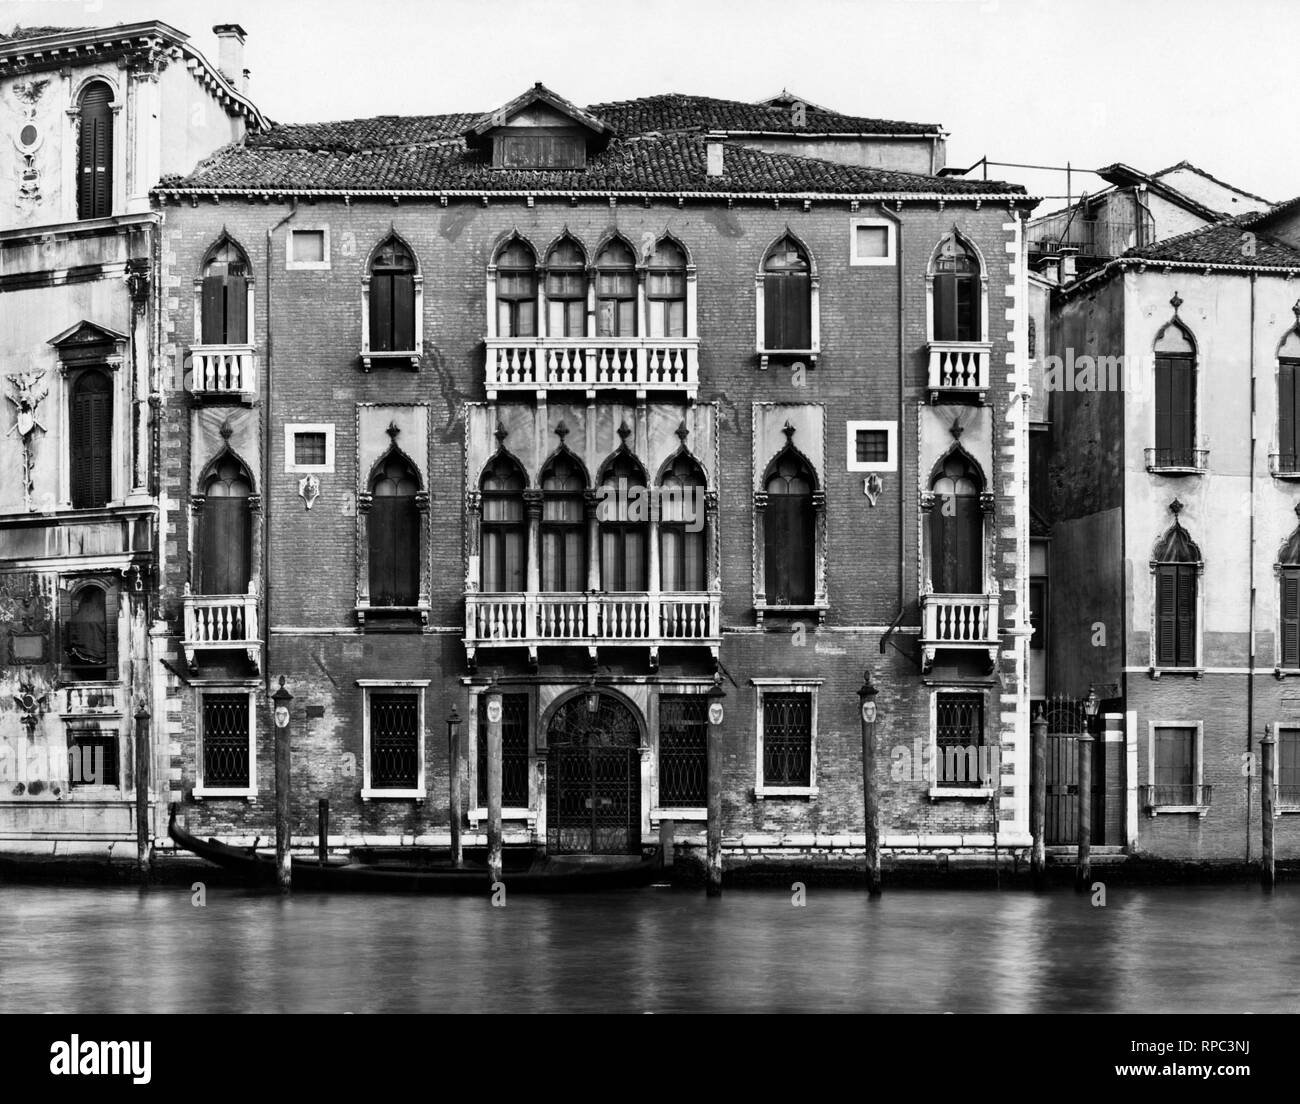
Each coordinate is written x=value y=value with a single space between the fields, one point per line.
x=1066 y=721
x=593 y=777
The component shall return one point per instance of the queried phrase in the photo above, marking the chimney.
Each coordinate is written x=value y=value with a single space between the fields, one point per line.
x=716 y=159
x=230 y=54
x=1049 y=267
x=1069 y=263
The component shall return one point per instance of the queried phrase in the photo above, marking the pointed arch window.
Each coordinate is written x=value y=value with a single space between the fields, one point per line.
x=91 y=439
x=956 y=292
x=1288 y=575
x=392 y=298
x=1175 y=403
x=624 y=525
x=226 y=529
x=566 y=290
x=682 y=526
x=224 y=302
x=394 y=533
x=787 y=297
x=516 y=290
x=504 y=526
x=95 y=152
x=1177 y=567
x=957 y=528
x=563 y=526
x=665 y=290
x=1288 y=405
x=616 y=288
x=90 y=633
x=789 y=535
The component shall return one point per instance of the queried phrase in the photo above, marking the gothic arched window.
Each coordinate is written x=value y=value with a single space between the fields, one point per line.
x=504 y=551
x=394 y=533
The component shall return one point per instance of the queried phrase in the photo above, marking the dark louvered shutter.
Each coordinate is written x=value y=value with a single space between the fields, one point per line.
x=66 y=632
x=1186 y=613
x=236 y=312
x=403 y=313
x=945 y=307
x=788 y=540
x=214 y=313
x=1164 y=408
x=1182 y=411
x=1166 y=618
x=968 y=545
x=111 y=599
x=797 y=312
x=394 y=551
x=774 y=288
x=91 y=445
x=381 y=314
x=1290 y=617
x=95 y=156
x=225 y=546
x=1287 y=419
x=966 y=309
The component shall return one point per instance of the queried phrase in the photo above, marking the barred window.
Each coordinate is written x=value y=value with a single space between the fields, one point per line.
x=872 y=446
x=959 y=736
x=787 y=739
x=1288 y=766
x=514 y=751
x=394 y=741
x=683 y=751
x=225 y=741
x=309 y=448
x=93 y=758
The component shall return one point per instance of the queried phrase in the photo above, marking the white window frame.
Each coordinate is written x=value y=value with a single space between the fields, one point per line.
x=200 y=791
x=1198 y=668
x=291 y=430
x=887 y=465
x=936 y=791
x=1155 y=810
x=1279 y=807
x=659 y=812
x=476 y=813
x=368 y=793
x=764 y=686
x=291 y=263
x=891 y=242
x=760 y=306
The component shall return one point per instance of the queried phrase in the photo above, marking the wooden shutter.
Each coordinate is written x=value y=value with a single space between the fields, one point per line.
x=381 y=313
x=111 y=599
x=225 y=546
x=774 y=310
x=403 y=330
x=966 y=308
x=214 y=310
x=1290 y=644
x=1287 y=414
x=1164 y=408
x=236 y=312
x=788 y=541
x=1186 y=615
x=394 y=551
x=1175 y=764
x=1166 y=619
x=968 y=542
x=91 y=445
x=1182 y=410
x=945 y=307
x=95 y=155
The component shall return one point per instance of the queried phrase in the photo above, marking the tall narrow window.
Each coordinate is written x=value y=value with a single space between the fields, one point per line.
x=227 y=743
x=563 y=526
x=90 y=634
x=1288 y=404
x=681 y=526
x=225 y=530
x=1177 y=564
x=665 y=291
x=1175 y=766
x=392 y=299
x=1289 y=586
x=95 y=153
x=1288 y=766
x=225 y=296
x=787 y=297
x=956 y=291
x=1175 y=399
x=394 y=531
x=516 y=290
x=616 y=291
x=683 y=751
x=505 y=530
x=514 y=752
x=91 y=440
x=624 y=525
x=788 y=531
x=394 y=741
x=957 y=528
x=787 y=739
x=566 y=290
x=959 y=736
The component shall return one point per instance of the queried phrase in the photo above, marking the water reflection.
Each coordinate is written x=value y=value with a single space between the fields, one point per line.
x=1223 y=949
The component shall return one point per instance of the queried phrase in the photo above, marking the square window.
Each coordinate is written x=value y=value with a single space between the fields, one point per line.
x=309 y=448
x=93 y=758
x=871 y=241
x=308 y=248
x=872 y=446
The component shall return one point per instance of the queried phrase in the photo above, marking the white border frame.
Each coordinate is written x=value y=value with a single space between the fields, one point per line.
x=200 y=791
x=291 y=263
x=1199 y=810
x=891 y=242
x=292 y=429
x=1278 y=807
x=368 y=793
x=890 y=464
x=764 y=686
x=938 y=792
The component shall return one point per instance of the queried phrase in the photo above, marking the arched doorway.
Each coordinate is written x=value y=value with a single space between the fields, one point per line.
x=593 y=776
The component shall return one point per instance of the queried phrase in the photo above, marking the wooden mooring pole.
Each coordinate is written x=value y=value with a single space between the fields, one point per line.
x=1083 y=865
x=142 y=790
x=870 y=793
x=713 y=833
x=494 y=783
x=453 y=785
x=1038 y=802
x=283 y=861
x=1268 y=771
x=323 y=829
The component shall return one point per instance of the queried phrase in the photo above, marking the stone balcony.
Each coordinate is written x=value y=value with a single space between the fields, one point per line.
x=959 y=369
x=221 y=622
x=224 y=372
x=637 y=364
x=963 y=621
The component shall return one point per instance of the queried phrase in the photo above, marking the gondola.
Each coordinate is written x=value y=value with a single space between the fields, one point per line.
x=543 y=874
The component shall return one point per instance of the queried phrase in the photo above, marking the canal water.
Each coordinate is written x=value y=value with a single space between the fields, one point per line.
x=1203 y=949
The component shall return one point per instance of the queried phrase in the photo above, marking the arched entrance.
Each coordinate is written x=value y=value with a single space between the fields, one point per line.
x=593 y=776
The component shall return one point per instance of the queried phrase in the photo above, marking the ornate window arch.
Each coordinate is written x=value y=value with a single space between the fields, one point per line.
x=512 y=289
x=958 y=509
x=394 y=525
x=392 y=305
x=683 y=530
x=787 y=301
x=623 y=517
x=1175 y=399
x=504 y=536
x=790 y=528
x=670 y=290
x=957 y=291
x=95 y=116
x=567 y=291
x=1286 y=570
x=563 y=523
x=1286 y=459
x=617 y=287
x=88 y=619
x=1176 y=570
x=223 y=295
x=226 y=507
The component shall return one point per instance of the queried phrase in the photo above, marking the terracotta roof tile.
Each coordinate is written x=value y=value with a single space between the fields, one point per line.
x=1224 y=243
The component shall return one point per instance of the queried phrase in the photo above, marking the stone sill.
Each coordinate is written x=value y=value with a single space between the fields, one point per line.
x=976 y=792
x=1158 y=810
x=684 y=814
x=762 y=793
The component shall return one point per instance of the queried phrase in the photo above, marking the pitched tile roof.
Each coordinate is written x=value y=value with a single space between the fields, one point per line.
x=651 y=164
x=20 y=33
x=1224 y=243
x=673 y=112
x=381 y=132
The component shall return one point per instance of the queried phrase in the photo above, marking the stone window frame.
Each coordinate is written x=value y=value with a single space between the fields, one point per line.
x=986 y=340
x=409 y=357
x=536 y=786
x=1199 y=747
x=813 y=352
x=891 y=252
x=419 y=686
x=249 y=792
x=935 y=791
x=673 y=688
x=251 y=280
x=787 y=685
x=291 y=264
x=72 y=141
x=889 y=464
x=291 y=430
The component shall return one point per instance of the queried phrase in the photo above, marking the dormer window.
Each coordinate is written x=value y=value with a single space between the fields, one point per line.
x=539 y=130
x=538 y=148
